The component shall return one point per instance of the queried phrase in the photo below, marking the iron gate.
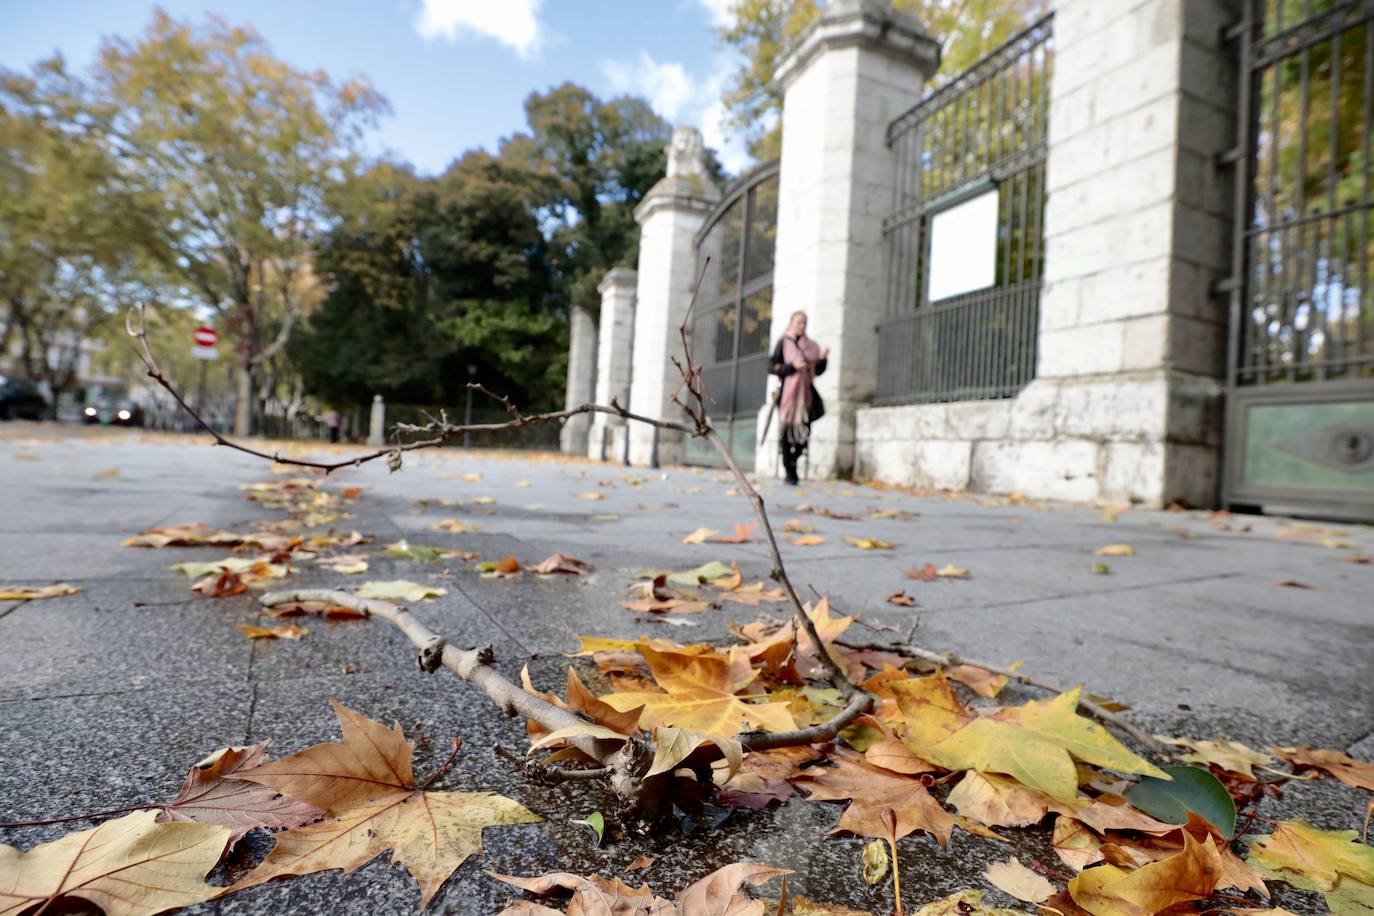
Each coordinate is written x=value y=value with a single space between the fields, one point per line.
x=982 y=132
x=1300 y=405
x=732 y=320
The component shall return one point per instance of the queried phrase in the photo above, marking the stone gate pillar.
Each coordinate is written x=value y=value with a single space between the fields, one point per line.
x=857 y=68
x=1137 y=234
x=614 y=355
x=572 y=438
x=669 y=217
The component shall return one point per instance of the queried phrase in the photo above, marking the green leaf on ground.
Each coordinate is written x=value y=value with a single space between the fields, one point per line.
x=1192 y=789
x=597 y=822
x=704 y=573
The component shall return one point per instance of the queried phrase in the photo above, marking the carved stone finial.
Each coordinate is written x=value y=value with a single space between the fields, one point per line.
x=687 y=153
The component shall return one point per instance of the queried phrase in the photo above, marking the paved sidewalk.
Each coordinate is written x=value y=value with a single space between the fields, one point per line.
x=108 y=696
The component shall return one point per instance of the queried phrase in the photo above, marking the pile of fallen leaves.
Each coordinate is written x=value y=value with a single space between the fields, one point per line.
x=938 y=755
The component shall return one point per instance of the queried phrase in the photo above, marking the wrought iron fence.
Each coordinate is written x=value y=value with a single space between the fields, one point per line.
x=730 y=326
x=1306 y=310
x=984 y=131
x=966 y=348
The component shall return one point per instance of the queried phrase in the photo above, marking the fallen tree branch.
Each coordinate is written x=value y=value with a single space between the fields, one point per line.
x=441 y=431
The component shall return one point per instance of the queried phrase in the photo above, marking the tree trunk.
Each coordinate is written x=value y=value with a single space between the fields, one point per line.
x=243 y=402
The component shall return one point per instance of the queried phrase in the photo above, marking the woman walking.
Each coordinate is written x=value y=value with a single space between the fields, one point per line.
x=797 y=360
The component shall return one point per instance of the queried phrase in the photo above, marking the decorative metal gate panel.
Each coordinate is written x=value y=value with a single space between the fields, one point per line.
x=732 y=320
x=1300 y=406
x=982 y=132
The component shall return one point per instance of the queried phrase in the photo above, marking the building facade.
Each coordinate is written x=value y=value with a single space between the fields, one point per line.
x=1124 y=258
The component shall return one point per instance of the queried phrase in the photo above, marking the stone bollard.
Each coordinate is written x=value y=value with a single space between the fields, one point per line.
x=376 y=428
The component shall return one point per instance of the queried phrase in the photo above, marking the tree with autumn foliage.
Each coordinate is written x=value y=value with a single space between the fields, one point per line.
x=763 y=31
x=237 y=150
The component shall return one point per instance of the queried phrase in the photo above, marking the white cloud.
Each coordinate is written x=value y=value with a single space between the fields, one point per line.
x=720 y=11
x=514 y=23
x=682 y=100
x=665 y=85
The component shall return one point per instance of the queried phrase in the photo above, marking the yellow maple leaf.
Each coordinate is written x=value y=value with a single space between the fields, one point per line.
x=1033 y=743
x=699 y=693
x=1111 y=891
x=131 y=865
x=35 y=592
x=867 y=543
x=1322 y=856
x=367 y=787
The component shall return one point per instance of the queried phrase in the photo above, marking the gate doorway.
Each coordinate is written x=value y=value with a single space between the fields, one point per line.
x=730 y=326
x=1300 y=392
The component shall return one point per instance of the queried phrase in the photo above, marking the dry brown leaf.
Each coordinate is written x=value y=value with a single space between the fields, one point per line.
x=289 y=631
x=130 y=866
x=561 y=563
x=640 y=862
x=1347 y=769
x=874 y=790
x=999 y=801
x=718 y=894
x=1115 y=550
x=806 y=540
x=1011 y=877
x=367 y=787
x=980 y=680
x=591 y=496
x=867 y=543
x=224 y=585
x=901 y=599
x=1192 y=874
x=1076 y=844
x=743 y=534
x=798 y=526
x=317 y=609
x=213 y=794
x=36 y=592
x=1294 y=583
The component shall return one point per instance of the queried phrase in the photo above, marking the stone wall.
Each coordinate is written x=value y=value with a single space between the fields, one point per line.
x=1126 y=403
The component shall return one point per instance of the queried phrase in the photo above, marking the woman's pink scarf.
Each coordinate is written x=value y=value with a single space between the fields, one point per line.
x=796 y=388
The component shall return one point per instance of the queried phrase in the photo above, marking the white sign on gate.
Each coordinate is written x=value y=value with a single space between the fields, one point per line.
x=963 y=247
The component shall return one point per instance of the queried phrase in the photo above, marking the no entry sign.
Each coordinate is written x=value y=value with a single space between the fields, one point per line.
x=203 y=343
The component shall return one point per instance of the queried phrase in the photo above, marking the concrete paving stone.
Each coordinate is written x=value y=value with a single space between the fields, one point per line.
x=1190 y=632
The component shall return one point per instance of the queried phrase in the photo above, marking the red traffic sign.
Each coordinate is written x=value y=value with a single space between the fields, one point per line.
x=205 y=337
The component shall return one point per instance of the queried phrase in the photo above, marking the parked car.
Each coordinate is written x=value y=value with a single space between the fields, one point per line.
x=112 y=408
x=20 y=397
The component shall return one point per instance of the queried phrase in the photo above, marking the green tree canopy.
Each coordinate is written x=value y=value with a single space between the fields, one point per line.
x=764 y=31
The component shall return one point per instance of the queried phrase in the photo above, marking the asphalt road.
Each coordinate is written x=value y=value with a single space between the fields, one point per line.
x=108 y=696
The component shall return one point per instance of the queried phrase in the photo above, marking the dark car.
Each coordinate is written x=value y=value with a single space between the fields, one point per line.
x=112 y=409
x=20 y=397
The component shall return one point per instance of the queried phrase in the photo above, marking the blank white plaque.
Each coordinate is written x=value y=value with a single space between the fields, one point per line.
x=963 y=247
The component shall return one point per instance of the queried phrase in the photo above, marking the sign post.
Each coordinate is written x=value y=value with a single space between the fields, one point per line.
x=203 y=348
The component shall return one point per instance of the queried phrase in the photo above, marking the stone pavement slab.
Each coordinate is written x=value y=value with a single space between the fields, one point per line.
x=106 y=697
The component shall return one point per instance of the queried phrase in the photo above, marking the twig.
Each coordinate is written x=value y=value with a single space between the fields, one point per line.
x=443 y=768
x=859 y=703
x=441 y=430
x=80 y=817
x=691 y=376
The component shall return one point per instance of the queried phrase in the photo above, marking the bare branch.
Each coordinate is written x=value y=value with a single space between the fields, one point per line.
x=441 y=431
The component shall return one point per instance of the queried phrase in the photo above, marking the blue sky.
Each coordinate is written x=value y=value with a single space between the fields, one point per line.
x=455 y=71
